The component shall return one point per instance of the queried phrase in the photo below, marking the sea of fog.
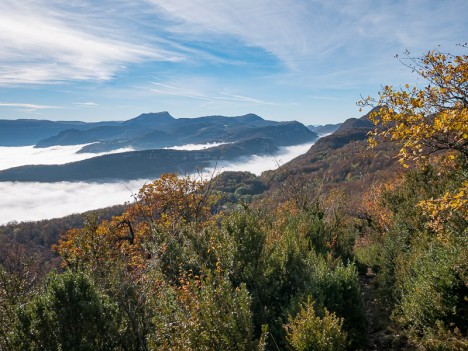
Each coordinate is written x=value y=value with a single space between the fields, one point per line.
x=55 y=155
x=31 y=201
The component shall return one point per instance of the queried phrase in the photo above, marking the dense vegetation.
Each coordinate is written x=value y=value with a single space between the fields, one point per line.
x=186 y=267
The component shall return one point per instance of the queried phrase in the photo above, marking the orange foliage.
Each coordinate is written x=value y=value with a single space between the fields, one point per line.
x=162 y=207
x=372 y=205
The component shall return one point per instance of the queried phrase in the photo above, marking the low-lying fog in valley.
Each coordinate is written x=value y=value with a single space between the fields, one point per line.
x=56 y=155
x=30 y=201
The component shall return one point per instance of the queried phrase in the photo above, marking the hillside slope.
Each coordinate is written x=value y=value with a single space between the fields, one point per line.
x=344 y=157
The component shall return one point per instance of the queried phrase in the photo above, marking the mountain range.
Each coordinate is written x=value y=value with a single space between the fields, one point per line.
x=324 y=129
x=149 y=135
x=151 y=131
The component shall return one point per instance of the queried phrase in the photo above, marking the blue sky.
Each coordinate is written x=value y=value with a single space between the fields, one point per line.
x=305 y=60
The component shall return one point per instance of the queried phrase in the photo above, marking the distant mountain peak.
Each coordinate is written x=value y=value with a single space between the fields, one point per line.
x=252 y=117
x=152 y=119
x=163 y=115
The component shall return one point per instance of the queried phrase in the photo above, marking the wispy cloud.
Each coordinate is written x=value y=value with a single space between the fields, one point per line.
x=50 y=41
x=27 y=106
x=47 y=41
x=169 y=89
x=86 y=104
x=176 y=90
x=234 y=97
x=278 y=27
x=304 y=33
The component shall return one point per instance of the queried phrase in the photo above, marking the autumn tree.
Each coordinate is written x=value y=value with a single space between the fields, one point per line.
x=430 y=118
x=162 y=210
x=420 y=247
x=134 y=255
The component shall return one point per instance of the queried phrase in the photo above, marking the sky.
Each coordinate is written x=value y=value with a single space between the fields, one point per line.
x=304 y=60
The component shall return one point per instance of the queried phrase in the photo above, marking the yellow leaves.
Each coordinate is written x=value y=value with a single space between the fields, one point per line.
x=429 y=119
x=446 y=207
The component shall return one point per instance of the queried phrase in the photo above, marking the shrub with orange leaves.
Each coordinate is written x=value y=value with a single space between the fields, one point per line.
x=162 y=208
x=173 y=201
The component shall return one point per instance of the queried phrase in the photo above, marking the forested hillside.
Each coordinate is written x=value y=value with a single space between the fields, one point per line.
x=359 y=244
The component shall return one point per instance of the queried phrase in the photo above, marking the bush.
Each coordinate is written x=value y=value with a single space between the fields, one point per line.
x=432 y=287
x=309 y=332
x=336 y=287
x=70 y=315
x=203 y=314
x=422 y=257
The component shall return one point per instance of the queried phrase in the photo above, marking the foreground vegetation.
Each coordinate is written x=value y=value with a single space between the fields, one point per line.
x=184 y=269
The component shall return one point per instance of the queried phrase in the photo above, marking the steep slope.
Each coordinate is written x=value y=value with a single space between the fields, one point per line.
x=343 y=157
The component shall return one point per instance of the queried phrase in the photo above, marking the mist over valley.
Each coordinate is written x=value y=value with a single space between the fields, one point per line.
x=71 y=176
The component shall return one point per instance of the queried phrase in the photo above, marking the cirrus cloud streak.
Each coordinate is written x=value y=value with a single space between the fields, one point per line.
x=47 y=42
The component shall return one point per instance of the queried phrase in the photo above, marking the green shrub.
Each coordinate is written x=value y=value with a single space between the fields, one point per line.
x=422 y=264
x=336 y=287
x=307 y=331
x=203 y=314
x=432 y=286
x=70 y=315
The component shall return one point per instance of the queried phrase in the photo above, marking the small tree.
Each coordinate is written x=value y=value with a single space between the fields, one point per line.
x=427 y=119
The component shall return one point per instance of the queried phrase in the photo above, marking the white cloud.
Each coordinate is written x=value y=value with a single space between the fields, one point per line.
x=15 y=156
x=86 y=104
x=175 y=89
x=32 y=107
x=28 y=201
x=279 y=27
x=51 y=41
x=302 y=33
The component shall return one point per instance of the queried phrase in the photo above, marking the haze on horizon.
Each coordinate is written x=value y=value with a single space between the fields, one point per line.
x=283 y=60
